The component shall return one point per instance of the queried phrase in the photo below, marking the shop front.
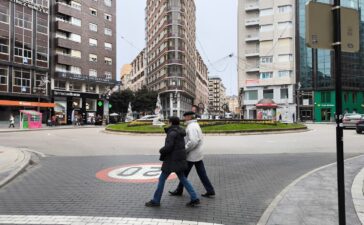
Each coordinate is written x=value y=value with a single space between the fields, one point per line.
x=266 y=109
x=85 y=108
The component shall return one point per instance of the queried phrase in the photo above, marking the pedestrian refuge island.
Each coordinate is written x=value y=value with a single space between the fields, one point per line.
x=30 y=119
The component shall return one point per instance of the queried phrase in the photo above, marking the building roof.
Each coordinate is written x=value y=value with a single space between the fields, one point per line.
x=125 y=70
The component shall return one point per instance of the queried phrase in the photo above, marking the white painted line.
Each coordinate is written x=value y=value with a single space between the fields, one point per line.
x=88 y=220
x=357 y=193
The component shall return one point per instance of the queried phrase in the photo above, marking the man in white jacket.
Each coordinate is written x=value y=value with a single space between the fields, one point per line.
x=194 y=142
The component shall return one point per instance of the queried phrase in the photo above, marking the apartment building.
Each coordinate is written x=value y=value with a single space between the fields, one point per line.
x=266 y=51
x=202 y=88
x=233 y=103
x=138 y=79
x=24 y=57
x=217 y=96
x=83 y=57
x=171 y=53
x=125 y=76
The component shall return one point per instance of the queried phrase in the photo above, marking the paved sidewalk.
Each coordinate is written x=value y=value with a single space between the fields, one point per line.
x=45 y=127
x=12 y=162
x=313 y=199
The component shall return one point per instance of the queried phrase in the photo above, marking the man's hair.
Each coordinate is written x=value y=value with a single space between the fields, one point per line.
x=174 y=120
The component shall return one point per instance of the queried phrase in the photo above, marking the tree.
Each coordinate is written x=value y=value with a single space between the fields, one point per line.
x=145 y=100
x=120 y=101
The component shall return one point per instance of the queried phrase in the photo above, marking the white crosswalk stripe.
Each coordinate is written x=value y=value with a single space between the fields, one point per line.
x=88 y=220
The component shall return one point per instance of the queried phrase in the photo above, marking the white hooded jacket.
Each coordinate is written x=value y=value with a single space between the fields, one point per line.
x=194 y=141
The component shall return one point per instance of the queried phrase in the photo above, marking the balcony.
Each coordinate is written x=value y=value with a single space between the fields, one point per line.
x=69 y=44
x=252 y=53
x=252 y=6
x=254 y=69
x=68 y=27
x=68 y=60
x=175 y=61
x=251 y=37
x=67 y=9
x=252 y=22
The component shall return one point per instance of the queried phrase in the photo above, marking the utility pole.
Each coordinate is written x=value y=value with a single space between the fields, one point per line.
x=339 y=117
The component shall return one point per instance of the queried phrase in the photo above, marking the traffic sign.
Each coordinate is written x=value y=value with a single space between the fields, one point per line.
x=137 y=173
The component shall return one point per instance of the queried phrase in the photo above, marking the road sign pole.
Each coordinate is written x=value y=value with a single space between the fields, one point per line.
x=339 y=116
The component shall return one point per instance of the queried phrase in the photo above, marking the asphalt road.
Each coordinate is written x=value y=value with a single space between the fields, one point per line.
x=247 y=172
x=93 y=142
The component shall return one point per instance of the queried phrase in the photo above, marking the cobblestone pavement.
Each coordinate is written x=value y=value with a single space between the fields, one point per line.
x=67 y=186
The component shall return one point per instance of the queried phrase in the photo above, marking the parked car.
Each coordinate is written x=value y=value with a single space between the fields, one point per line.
x=350 y=120
x=147 y=117
x=228 y=116
x=360 y=126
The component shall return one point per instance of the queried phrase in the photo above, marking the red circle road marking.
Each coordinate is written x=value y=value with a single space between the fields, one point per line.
x=109 y=174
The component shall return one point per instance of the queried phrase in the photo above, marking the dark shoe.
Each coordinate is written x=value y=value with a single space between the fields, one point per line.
x=193 y=203
x=152 y=204
x=175 y=193
x=208 y=194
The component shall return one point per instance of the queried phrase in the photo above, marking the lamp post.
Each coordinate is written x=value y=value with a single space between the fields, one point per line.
x=41 y=89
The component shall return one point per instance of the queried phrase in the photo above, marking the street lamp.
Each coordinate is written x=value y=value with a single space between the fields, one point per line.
x=41 y=89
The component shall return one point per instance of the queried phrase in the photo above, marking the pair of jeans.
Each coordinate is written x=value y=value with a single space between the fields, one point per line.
x=201 y=172
x=183 y=180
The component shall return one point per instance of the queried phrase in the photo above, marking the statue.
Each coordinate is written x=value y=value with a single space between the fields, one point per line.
x=157 y=121
x=129 y=115
x=205 y=115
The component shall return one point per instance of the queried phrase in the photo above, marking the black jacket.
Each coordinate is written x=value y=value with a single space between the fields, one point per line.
x=173 y=154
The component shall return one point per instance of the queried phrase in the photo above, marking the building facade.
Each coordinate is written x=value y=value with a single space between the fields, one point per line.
x=266 y=52
x=202 y=83
x=217 y=97
x=315 y=73
x=24 y=57
x=171 y=53
x=125 y=76
x=138 y=79
x=83 y=57
x=233 y=103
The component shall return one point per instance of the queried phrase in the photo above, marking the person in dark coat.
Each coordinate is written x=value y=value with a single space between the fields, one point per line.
x=174 y=155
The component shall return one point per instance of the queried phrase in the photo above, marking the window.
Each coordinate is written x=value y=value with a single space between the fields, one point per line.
x=108 y=2
x=75 y=21
x=108 y=32
x=284 y=73
x=42 y=53
x=266 y=59
x=21 y=79
x=90 y=103
x=108 y=17
x=268 y=94
x=92 y=89
x=93 y=27
x=108 y=75
x=40 y=80
x=93 y=42
x=23 y=19
x=284 y=93
x=326 y=97
x=285 y=25
x=75 y=70
x=75 y=38
x=75 y=87
x=76 y=5
x=93 y=58
x=3 y=76
x=266 y=28
x=76 y=54
x=92 y=73
x=251 y=95
x=108 y=61
x=93 y=12
x=42 y=25
x=4 y=46
x=60 y=84
x=266 y=75
x=266 y=12
x=285 y=9
x=108 y=46
x=4 y=11
x=285 y=58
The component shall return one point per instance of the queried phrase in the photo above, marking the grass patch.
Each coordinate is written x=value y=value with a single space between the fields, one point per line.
x=224 y=128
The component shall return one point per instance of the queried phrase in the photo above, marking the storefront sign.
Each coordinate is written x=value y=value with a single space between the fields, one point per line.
x=139 y=173
x=326 y=105
x=31 y=4
x=26 y=104
x=80 y=77
x=67 y=94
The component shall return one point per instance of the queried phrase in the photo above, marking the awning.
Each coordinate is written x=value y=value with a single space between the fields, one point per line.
x=27 y=104
x=31 y=112
x=266 y=105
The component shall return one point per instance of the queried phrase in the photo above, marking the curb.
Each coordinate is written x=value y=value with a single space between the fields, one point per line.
x=269 y=211
x=17 y=169
x=357 y=193
x=241 y=133
x=45 y=129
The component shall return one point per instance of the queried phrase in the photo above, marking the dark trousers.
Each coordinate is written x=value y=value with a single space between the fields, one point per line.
x=201 y=172
x=12 y=125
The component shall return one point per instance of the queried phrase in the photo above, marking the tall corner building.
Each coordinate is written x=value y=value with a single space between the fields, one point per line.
x=316 y=77
x=266 y=52
x=83 y=57
x=171 y=54
x=24 y=55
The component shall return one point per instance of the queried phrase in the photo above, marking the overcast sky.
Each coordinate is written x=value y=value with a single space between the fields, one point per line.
x=216 y=34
